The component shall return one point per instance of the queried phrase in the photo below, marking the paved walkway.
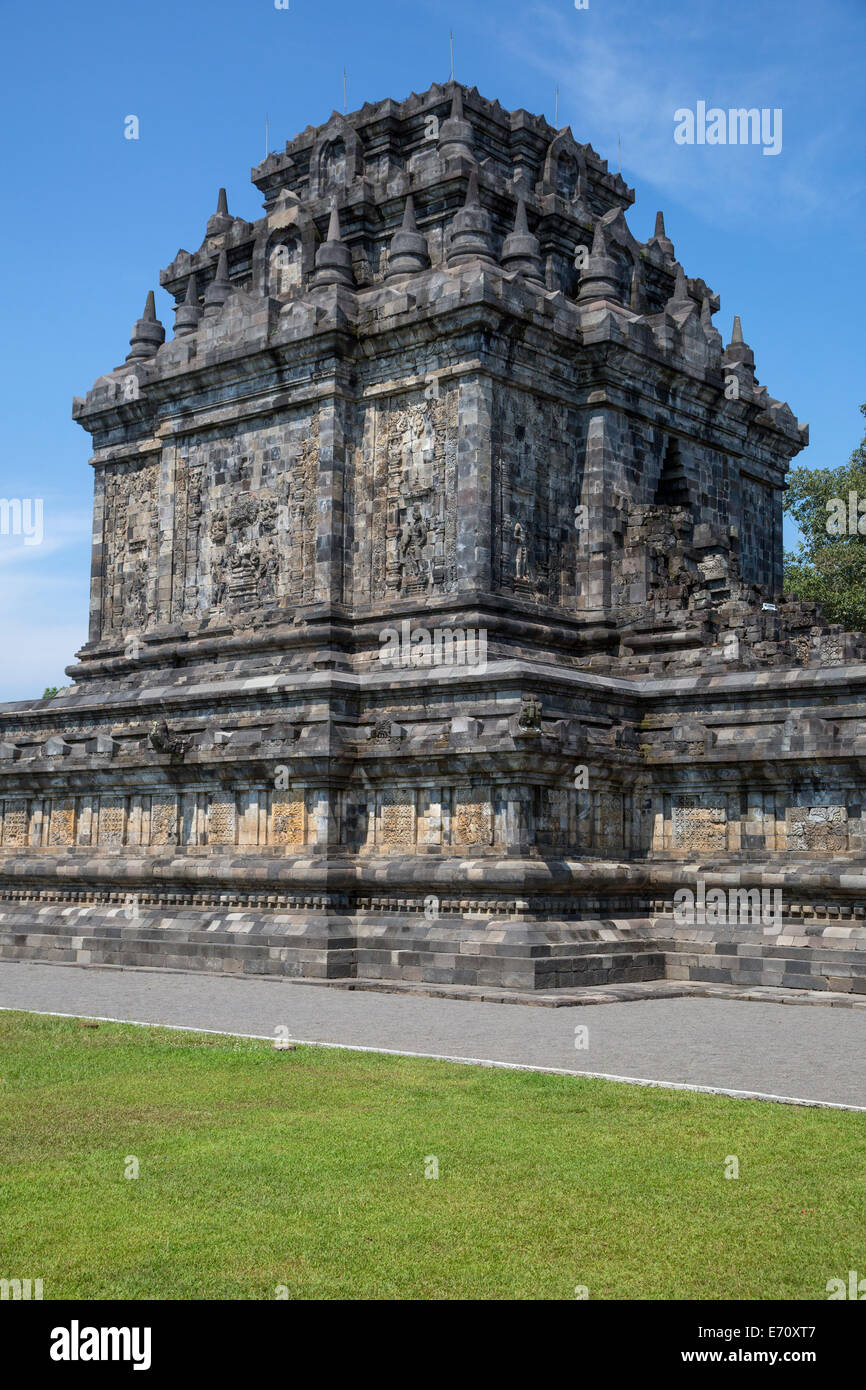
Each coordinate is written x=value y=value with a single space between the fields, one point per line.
x=810 y=1054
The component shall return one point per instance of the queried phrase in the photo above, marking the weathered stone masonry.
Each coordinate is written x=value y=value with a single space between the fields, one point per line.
x=439 y=381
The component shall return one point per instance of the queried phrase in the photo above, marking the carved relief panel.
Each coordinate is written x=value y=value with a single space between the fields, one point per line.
x=396 y=818
x=222 y=820
x=112 y=820
x=188 y=505
x=472 y=822
x=61 y=824
x=130 y=541
x=818 y=829
x=699 y=823
x=163 y=820
x=15 y=824
x=610 y=825
x=298 y=494
x=556 y=819
x=535 y=490
x=245 y=520
x=406 y=517
x=288 y=819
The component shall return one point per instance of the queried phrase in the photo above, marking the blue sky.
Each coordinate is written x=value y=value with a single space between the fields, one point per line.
x=90 y=217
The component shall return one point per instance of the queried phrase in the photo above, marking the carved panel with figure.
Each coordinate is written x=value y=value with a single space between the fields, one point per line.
x=535 y=489
x=130 y=541
x=472 y=820
x=406 y=520
x=245 y=520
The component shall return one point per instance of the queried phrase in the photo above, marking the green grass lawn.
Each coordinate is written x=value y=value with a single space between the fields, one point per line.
x=260 y=1168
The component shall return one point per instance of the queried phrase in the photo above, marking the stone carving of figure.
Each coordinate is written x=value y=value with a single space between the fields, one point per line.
x=244 y=513
x=417 y=437
x=521 y=559
x=415 y=535
x=136 y=596
x=243 y=572
x=219 y=585
x=195 y=495
x=333 y=165
x=219 y=529
x=410 y=440
x=269 y=572
x=530 y=713
x=566 y=176
x=162 y=739
x=267 y=516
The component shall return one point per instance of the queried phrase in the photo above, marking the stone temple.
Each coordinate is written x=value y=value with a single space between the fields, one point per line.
x=436 y=624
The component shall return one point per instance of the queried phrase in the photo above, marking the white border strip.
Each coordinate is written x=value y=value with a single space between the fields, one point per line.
x=461 y=1061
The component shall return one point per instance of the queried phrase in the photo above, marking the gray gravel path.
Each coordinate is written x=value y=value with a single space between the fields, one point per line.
x=817 y=1055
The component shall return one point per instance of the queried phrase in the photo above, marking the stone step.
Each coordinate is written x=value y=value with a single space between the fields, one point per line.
x=520 y=956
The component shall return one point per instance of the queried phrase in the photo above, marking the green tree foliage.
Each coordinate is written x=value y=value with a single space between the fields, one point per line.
x=50 y=691
x=830 y=566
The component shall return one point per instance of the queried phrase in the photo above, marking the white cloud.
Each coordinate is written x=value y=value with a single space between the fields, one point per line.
x=627 y=82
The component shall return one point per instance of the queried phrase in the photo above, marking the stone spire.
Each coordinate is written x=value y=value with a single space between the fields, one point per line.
x=456 y=138
x=711 y=333
x=598 y=279
x=219 y=288
x=333 y=258
x=408 y=251
x=660 y=239
x=521 y=252
x=187 y=314
x=471 y=237
x=220 y=221
x=738 y=351
x=148 y=335
x=680 y=299
x=637 y=294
